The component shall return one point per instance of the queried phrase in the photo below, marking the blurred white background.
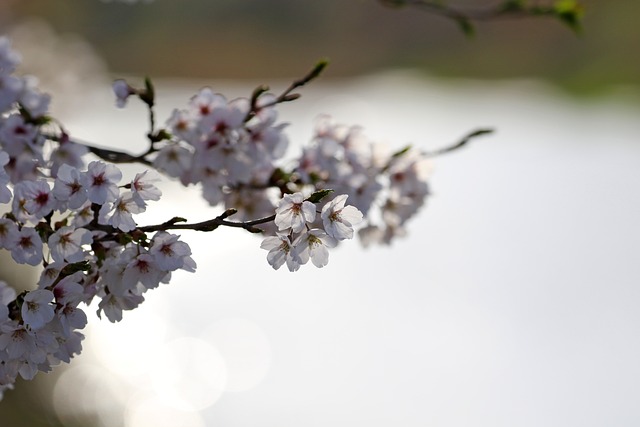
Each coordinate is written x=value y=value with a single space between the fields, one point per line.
x=512 y=302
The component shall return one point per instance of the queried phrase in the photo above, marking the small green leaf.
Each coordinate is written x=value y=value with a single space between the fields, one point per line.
x=75 y=267
x=394 y=3
x=319 y=68
x=512 y=6
x=149 y=94
x=319 y=195
x=466 y=26
x=315 y=72
x=401 y=152
x=570 y=12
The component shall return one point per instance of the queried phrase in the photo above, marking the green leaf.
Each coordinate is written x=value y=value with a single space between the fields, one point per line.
x=149 y=94
x=315 y=72
x=394 y=3
x=401 y=152
x=319 y=195
x=570 y=12
x=466 y=26
x=512 y=6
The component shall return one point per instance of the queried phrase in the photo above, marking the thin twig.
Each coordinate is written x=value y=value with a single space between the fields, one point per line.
x=458 y=144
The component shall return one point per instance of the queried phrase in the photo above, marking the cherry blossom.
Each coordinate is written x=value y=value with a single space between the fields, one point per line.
x=69 y=187
x=71 y=216
x=279 y=248
x=122 y=91
x=27 y=247
x=37 y=310
x=313 y=245
x=101 y=180
x=339 y=219
x=66 y=244
x=293 y=212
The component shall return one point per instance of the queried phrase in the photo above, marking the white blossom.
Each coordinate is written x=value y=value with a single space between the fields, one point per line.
x=37 y=310
x=120 y=215
x=338 y=219
x=122 y=90
x=169 y=253
x=27 y=247
x=8 y=234
x=69 y=187
x=101 y=180
x=313 y=245
x=279 y=248
x=142 y=188
x=67 y=243
x=294 y=212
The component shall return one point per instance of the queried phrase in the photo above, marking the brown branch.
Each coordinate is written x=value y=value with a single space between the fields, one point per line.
x=109 y=155
x=209 y=225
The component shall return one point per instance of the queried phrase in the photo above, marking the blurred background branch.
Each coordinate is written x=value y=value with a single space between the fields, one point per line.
x=203 y=39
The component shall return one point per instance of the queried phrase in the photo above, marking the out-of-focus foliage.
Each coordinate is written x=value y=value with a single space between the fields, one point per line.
x=255 y=38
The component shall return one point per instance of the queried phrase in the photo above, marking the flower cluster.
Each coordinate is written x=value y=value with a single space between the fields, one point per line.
x=296 y=241
x=222 y=145
x=75 y=218
x=90 y=251
x=77 y=224
x=392 y=183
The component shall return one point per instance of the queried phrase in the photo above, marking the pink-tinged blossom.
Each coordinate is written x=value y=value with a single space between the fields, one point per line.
x=313 y=244
x=32 y=100
x=71 y=317
x=122 y=90
x=338 y=219
x=182 y=124
x=120 y=215
x=113 y=305
x=16 y=340
x=71 y=346
x=7 y=293
x=17 y=135
x=173 y=160
x=217 y=115
x=66 y=244
x=27 y=248
x=279 y=248
x=5 y=193
x=83 y=216
x=50 y=273
x=9 y=58
x=101 y=181
x=38 y=200
x=293 y=212
x=8 y=233
x=170 y=253
x=142 y=269
x=142 y=188
x=67 y=153
x=69 y=187
x=37 y=310
x=69 y=290
x=10 y=89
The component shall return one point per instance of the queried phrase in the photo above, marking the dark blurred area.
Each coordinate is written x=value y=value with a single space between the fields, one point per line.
x=282 y=38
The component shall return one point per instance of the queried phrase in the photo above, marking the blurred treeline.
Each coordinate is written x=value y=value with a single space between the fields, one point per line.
x=281 y=38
